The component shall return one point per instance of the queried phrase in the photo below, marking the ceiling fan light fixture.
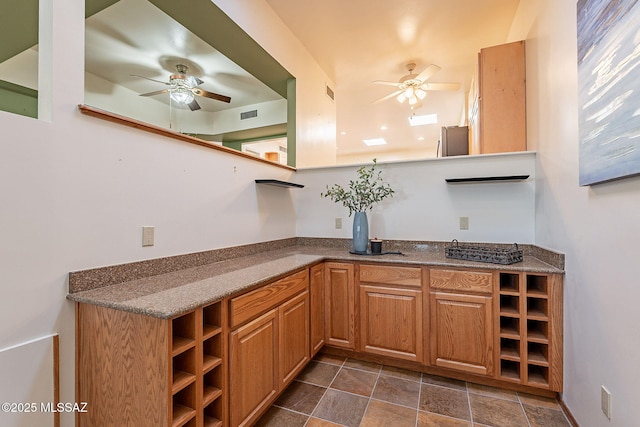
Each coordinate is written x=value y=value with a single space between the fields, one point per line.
x=401 y=98
x=409 y=92
x=413 y=100
x=182 y=95
x=420 y=93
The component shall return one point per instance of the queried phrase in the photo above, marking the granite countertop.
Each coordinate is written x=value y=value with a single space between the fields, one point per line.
x=176 y=292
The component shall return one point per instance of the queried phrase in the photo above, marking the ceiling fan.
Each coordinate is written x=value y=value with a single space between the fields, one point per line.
x=183 y=87
x=414 y=87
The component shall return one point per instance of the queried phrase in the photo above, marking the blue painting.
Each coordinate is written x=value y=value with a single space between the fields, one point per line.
x=609 y=89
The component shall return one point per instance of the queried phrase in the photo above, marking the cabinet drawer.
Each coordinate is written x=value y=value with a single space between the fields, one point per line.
x=456 y=280
x=391 y=275
x=251 y=304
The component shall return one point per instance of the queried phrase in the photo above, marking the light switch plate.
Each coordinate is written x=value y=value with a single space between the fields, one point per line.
x=605 y=401
x=147 y=236
x=338 y=223
x=464 y=223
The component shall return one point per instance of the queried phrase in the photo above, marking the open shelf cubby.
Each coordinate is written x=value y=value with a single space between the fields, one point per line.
x=510 y=370
x=537 y=286
x=525 y=343
x=184 y=404
x=509 y=283
x=183 y=333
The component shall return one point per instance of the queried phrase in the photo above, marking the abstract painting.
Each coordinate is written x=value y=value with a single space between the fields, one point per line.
x=609 y=89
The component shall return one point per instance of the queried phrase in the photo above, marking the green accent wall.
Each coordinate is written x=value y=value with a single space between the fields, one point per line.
x=18 y=27
x=18 y=99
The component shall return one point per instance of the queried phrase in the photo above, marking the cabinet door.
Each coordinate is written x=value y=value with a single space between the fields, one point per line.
x=340 y=305
x=502 y=98
x=316 y=301
x=391 y=322
x=253 y=368
x=462 y=332
x=294 y=337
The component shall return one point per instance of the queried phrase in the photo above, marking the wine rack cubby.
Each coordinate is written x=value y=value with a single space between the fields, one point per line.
x=197 y=373
x=530 y=325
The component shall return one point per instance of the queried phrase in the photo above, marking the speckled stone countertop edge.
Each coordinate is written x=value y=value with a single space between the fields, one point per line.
x=176 y=292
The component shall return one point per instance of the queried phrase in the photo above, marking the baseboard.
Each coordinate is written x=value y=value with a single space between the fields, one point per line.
x=567 y=412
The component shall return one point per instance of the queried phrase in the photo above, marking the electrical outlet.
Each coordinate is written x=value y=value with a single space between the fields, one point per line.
x=605 y=401
x=338 y=223
x=464 y=223
x=147 y=236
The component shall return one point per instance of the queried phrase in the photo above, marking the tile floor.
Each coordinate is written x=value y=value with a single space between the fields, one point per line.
x=334 y=391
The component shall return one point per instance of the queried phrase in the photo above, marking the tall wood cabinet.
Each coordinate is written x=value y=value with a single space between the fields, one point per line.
x=390 y=301
x=461 y=327
x=268 y=344
x=497 y=100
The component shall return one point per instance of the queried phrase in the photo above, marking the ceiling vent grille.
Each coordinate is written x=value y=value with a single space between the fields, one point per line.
x=249 y=114
x=330 y=93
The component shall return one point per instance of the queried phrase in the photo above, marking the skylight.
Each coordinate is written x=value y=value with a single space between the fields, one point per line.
x=374 y=141
x=427 y=119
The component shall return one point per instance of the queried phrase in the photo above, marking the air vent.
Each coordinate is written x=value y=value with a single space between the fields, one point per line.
x=249 y=114
x=330 y=93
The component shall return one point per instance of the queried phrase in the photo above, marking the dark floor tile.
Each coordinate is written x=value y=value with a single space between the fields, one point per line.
x=445 y=401
x=397 y=390
x=355 y=381
x=444 y=382
x=317 y=422
x=545 y=417
x=342 y=408
x=319 y=373
x=486 y=390
x=534 y=400
x=330 y=358
x=279 y=417
x=429 y=419
x=497 y=412
x=365 y=366
x=401 y=373
x=383 y=414
x=301 y=397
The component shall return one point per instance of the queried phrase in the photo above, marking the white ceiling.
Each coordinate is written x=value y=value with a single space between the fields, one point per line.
x=135 y=37
x=359 y=41
x=354 y=41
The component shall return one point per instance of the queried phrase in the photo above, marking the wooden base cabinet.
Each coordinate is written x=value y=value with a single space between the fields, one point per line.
x=316 y=302
x=253 y=351
x=268 y=345
x=390 y=301
x=461 y=328
x=139 y=370
x=461 y=332
x=529 y=320
x=340 y=309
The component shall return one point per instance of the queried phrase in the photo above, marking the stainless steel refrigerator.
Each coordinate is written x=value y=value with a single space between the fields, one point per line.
x=454 y=140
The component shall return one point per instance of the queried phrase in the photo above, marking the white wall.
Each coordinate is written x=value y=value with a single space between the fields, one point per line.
x=425 y=207
x=596 y=227
x=315 y=111
x=76 y=191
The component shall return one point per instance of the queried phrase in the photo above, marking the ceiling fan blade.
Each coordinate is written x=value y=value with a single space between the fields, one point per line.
x=193 y=105
x=428 y=72
x=201 y=92
x=391 y=95
x=382 y=82
x=157 y=92
x=441 y=86
x=153 y=80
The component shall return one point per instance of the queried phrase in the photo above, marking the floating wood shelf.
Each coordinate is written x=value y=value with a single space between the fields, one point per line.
x=486 y=179
x=279 y=183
